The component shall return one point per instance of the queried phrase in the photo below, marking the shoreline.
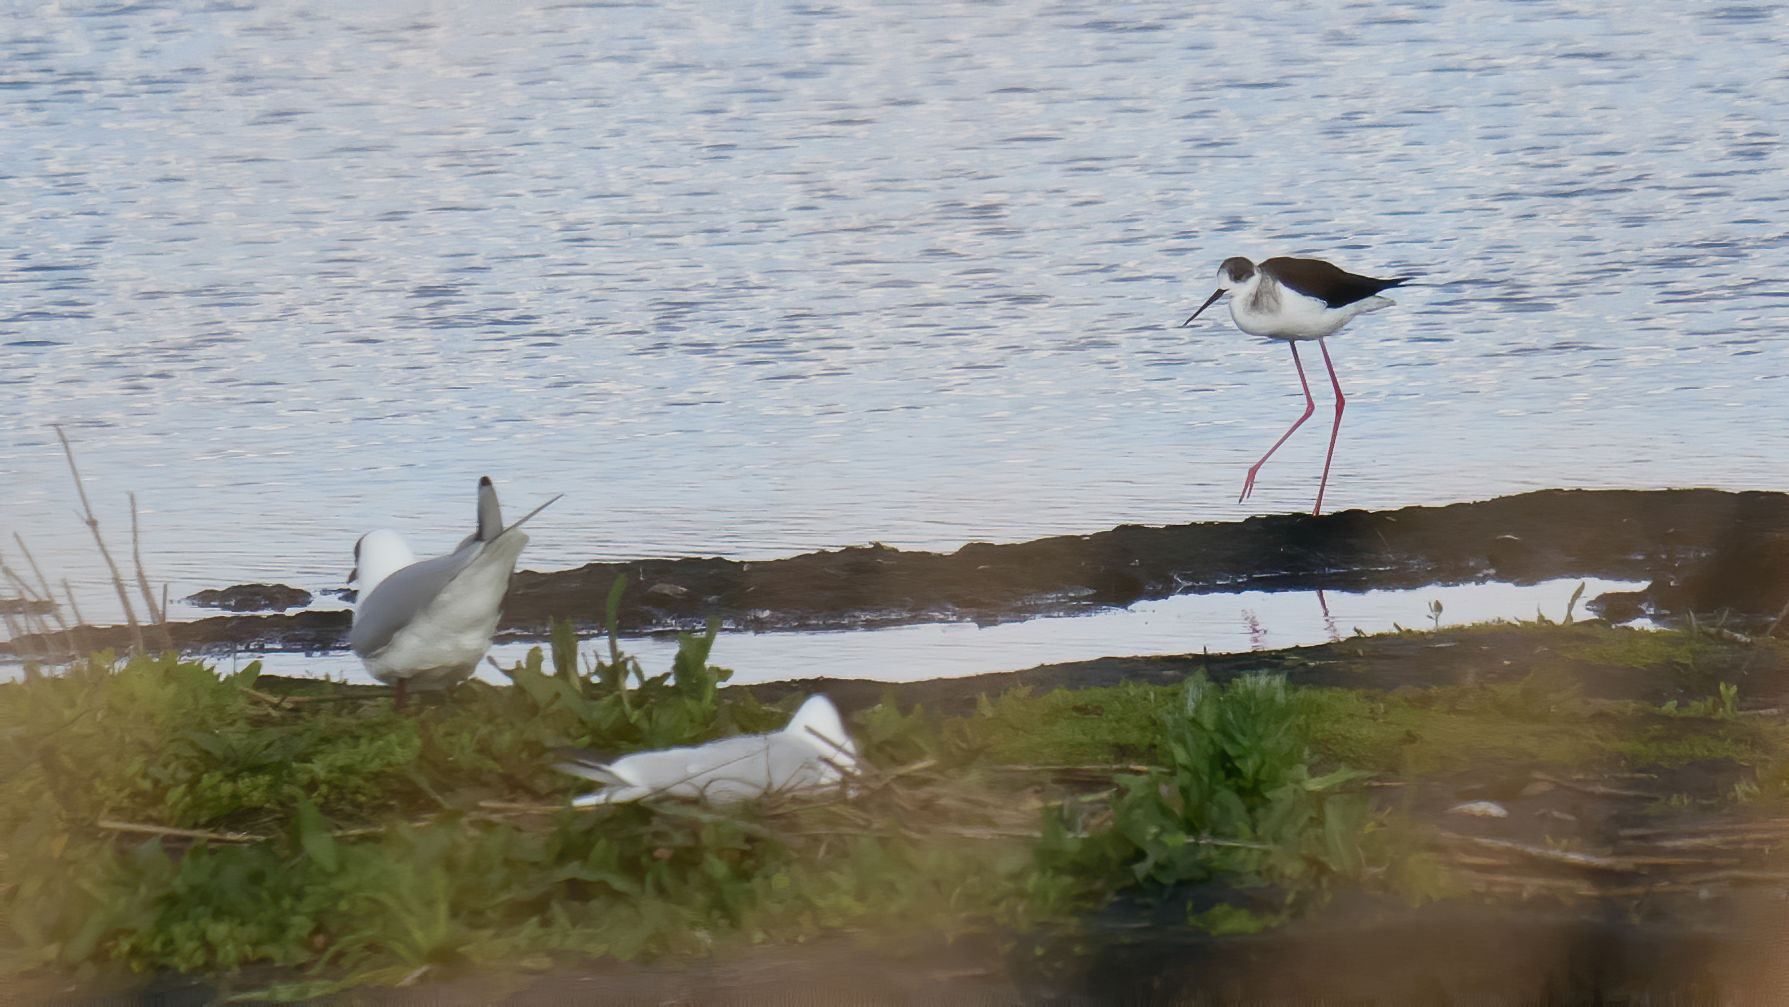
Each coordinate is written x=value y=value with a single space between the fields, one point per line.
x=1701 y=551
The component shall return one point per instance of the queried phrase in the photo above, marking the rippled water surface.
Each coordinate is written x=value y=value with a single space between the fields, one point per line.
x=752 y=279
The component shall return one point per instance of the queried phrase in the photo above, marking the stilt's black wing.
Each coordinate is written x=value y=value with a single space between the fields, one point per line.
x=1328 y=283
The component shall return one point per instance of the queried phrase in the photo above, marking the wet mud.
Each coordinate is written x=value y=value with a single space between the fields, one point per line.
x=1388 y=662
x=1713 y=553
x=24 y=606
x=252 y=598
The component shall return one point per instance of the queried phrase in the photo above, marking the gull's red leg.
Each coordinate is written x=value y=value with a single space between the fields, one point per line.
x=1248 y=485
x=1340 y=403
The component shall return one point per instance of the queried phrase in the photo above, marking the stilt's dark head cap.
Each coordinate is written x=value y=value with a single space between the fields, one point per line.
x=1237 y=269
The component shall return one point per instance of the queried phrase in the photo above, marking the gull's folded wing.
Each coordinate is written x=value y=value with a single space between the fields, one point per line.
x=403 y=596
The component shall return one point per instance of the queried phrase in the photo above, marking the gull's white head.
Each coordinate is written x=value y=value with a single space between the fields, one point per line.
x=818 y=723
x=1236 y=276
x=378 y=555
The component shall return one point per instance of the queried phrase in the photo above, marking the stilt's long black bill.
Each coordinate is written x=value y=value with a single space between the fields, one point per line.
x=1215 y=295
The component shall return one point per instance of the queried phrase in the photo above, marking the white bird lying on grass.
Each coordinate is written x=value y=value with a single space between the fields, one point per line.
x=812 y=752
x=426 y=625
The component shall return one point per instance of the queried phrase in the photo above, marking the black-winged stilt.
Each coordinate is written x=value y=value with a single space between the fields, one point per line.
x=1294 y=300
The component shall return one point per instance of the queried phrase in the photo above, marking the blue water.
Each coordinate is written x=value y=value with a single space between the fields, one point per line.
x=752 y=279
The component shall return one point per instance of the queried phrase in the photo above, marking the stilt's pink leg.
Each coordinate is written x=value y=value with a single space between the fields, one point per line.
x=1340 y=403
x=1248 y=485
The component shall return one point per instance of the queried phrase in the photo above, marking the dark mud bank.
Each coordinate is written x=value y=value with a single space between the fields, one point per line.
x=1703 y=551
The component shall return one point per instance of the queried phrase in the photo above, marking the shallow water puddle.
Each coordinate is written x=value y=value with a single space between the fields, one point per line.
x=1249 y=620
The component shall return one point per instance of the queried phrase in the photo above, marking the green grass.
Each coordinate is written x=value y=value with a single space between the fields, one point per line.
x=371 y=848
x=1111 y=725
x=1407 y=736
x=377 y=843
x=1539 y=721
x=1237 y=802
x=1634 y=648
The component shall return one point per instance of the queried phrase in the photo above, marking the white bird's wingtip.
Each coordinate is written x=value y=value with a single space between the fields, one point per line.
x=490 y=513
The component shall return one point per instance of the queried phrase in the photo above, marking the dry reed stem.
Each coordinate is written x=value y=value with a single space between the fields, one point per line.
x=1524 y=884
x=276 y=702
x=12 y=628
x=1498 y=852
x=1778 y=622
x=136 y=552
x=1577 y=887
x=1589 y=788
x=524 y=809
x=143 y=829
x=49 y=598
x=1105 y=768
x=1705 y=862
x=1734 y=840
x=130 y=614
x=75 y=608
x=26 y=594
x=1731 y=636
x=73 y=605
x=1569 y=858
x=157 y=615
x=1781 y=824
x=286 y=703
x=240 y=838
x=29 y=622
x=1760 y=877
x=43 y=582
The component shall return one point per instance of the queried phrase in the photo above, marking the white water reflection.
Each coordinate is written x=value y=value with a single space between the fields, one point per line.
x=1190 y=623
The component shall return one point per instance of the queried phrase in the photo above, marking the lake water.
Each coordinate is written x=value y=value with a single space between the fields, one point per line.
x=757 y=278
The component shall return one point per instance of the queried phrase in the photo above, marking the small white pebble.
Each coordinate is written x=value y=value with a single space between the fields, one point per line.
x=1480 y=809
